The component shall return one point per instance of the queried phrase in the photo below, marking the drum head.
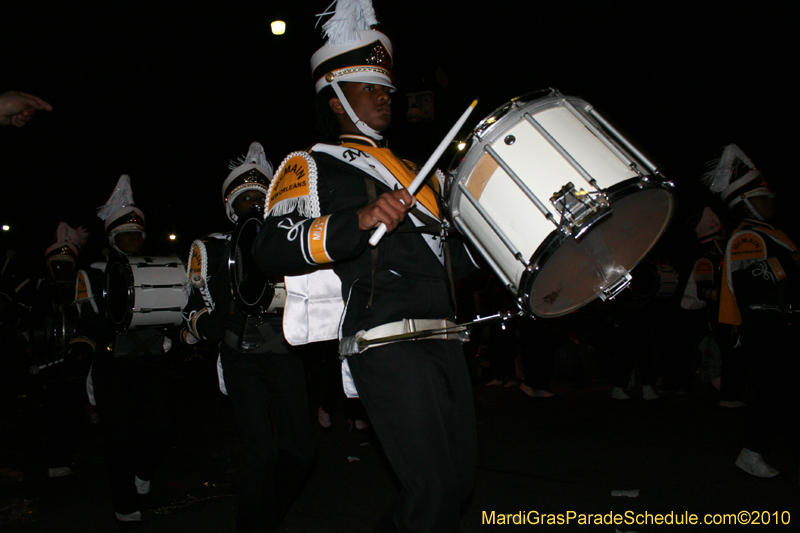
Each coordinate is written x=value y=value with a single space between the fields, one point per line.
x=568 y=274
x=118 y=291
x=252 y=290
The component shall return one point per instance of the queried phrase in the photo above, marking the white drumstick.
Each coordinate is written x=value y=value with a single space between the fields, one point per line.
x=423 y=174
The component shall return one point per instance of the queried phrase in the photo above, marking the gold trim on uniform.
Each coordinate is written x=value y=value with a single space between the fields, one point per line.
x=748 y=245
x=193 y=322
x=704 y=270
x=87 y=340
x=316 y=240
x=294 y=187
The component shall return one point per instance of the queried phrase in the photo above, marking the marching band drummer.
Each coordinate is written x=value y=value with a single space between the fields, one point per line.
x=321 y=208
x=64 y=381
x=263 y=378
x=129 y=381
x=760 y=294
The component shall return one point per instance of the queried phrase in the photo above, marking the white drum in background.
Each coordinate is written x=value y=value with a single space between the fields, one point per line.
x=559 y=204
x=651 y=280
x=143 y=291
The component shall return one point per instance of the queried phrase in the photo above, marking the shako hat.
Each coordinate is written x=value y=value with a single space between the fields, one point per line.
x=735 y=178
x=253 y=171
x=709 y=227
x=119 y=214
x=353 y=50
x=68 y=243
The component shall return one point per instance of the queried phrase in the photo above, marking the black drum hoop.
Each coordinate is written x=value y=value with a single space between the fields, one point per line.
x=553 y=242
x=119 y=297
x=252 y=290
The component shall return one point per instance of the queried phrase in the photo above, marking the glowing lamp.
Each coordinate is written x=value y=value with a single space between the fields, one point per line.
x=278 y=27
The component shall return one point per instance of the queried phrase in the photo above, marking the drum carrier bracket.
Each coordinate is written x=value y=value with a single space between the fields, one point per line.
x=579 y=210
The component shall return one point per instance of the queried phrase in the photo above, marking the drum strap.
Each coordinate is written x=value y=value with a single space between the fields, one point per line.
x=431 y=225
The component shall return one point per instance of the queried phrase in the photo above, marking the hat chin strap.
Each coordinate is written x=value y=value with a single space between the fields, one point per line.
x=360 y=124
x=752 y=209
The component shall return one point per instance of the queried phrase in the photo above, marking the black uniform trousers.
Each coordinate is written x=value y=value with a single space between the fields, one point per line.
x=134 y=403
x=270 y=404
x=419 y=399
x=775 y=367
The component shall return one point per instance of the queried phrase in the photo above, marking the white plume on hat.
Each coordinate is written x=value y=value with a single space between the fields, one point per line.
x=735 y=178
x=73 y=238
x=255 y=156
x=718 y=178
x=349 y=18
x=121 y=198
x=709 y=226
x=353 y=52
x=120 y=204
x=253 y=171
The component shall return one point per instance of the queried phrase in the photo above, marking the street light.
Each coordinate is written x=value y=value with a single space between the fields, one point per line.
x=278 y=27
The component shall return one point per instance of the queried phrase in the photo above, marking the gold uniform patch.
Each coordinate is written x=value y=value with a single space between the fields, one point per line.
x=704 y=270
x=197 y=265
x=776 y=267
x=316 y=240
x=291 y=180
x=748 y=245
x=82 y=287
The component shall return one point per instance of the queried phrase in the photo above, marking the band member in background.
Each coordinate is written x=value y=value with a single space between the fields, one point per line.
x=64 y=379
x=701 y=297
x=321 y=209
x=262 y=376
x=130 y=379
x=760 y=293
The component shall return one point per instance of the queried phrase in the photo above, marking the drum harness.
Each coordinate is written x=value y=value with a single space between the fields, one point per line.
x=410 y=329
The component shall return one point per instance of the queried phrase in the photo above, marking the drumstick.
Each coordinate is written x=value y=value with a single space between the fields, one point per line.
x=423 y=174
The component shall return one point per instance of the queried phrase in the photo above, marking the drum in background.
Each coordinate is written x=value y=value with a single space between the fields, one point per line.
x=253 y=292
x=50 y=330
x=650 y=280
x=143 y=291
x=558 y=202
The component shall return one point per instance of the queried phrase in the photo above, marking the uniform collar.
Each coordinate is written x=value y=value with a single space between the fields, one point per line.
x=356 y=138
x=754 y=222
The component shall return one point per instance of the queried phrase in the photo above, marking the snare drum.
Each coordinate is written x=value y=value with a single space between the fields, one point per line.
x=253 y=292
x=559 y=204
x=145 y=291
x=654 y=281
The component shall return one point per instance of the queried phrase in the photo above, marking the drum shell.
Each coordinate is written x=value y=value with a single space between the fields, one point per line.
x=551 y=273
x=656 y=281
x=145 y=291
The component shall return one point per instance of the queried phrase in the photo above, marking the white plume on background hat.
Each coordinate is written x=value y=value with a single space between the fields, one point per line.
x=253 y=171
x=709 y=226
x=735 y=177
x=119 y=214
x=68 y=243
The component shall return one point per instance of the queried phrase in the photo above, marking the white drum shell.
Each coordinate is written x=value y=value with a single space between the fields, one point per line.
x=157 y=293
x=544 y=171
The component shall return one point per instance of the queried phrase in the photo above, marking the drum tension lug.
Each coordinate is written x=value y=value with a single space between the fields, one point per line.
x=610 y=292
x=579 y=210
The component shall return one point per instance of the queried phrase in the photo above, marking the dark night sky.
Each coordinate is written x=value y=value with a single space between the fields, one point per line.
x=169 y=95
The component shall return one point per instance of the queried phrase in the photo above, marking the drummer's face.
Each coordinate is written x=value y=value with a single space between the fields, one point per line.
x=248 y=199
x=130 y=242
x=371 y=103
x=63 y=271
x=764 y=205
